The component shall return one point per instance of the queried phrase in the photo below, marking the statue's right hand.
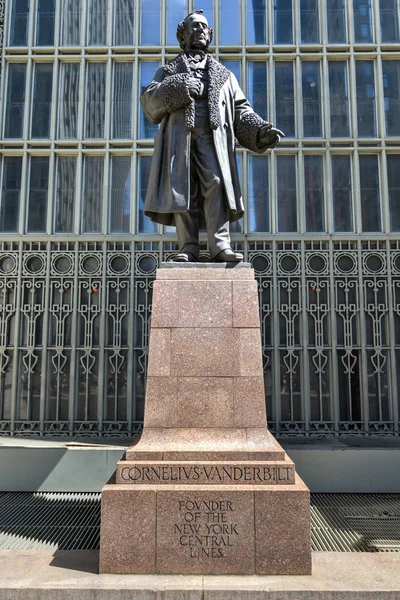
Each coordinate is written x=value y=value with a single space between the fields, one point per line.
x=194 y=87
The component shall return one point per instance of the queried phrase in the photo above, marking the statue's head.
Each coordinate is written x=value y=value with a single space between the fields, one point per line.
x=194 y=32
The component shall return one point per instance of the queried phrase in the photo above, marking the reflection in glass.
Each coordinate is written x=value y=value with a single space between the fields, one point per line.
x=42 y=91
x=120 y=198
x=92 y=197
x=230 y=23
x=389 y=14
x=258 y=194
x=122 y=105
x=311 y=86
x=71 y=23
x=309 y=21
x=97 y=23
x=65 y=194
x=256 y=19
x=123 y=23
x=284 y=93
x=144 y=224
x=19 y=23
x=342 y=193
x=339 y=98
x=314 y=193
x=14 y=120
x=208 y=7
x=95 y=99
x=393 y=171
x=369 y=193
x=176 y=12
x=257 y=87
x=391 y=82
x=150 y=24
x=234 y=66
x=69 y=100
x=10 y=193
x=362 y=21
x=286 y=193
x=46 y=13
x=147 y=70
x=38 y=193
x=336 y=19
x=283 y=22
x=365 y=83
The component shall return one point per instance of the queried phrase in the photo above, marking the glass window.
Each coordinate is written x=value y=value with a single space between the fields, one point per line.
x=120 y=199
x=283 y=22
x=311 y=86
x=65 y=194
x=38 y=194
x=284 y=94
x=342 y=193
x=230 y=22
x=123 y=23
x=389 y=14
x=69 y=100
x=150 y=24
x=19 y=23
x=208 y=7
x=336 y=19
x=339 y=98
x=287 y=195
x=362 y=21
x=147 y=71
x=365 y=83
x=92 y=197
x=256 y=22
x=369 y=193
x=393 y=171
x=258 y=194
x=176 y=12
x=95 y=99
x=97 y=23
x=144 y=225
x=14 y=121
x=46 y=14
x=42 y=91
x=314 y=193
x=71 y=23
x=10 y=193
x=309 y=21
x=122 y=106
x=257 y=87
x=391 y=82
x=234 y=66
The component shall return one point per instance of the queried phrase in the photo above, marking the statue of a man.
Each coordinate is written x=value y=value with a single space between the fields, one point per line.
x=194 y=179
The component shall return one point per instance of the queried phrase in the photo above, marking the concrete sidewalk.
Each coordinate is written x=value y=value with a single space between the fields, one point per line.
x=37 y=575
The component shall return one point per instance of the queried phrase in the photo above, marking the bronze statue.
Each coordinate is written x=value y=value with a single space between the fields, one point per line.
x=194 y=179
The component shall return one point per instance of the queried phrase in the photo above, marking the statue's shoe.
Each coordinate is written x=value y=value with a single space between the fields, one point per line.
x=228 y=255
x=185 y=257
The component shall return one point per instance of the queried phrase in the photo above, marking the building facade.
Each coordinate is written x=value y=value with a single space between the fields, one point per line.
x=322 y=227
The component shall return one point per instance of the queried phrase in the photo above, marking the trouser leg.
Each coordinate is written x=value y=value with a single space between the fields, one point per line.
x=187 y=231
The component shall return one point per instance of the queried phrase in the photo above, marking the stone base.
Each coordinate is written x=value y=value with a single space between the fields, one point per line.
x=199 y=529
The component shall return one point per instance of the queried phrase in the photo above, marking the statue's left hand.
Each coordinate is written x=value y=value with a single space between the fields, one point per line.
x=269 y=136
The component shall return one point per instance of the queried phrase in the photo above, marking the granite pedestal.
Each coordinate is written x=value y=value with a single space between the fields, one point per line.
x=207 y=489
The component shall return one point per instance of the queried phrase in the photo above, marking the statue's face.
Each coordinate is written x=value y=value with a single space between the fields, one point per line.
x=197 y=33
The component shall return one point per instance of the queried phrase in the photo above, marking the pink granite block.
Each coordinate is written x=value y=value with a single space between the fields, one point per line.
x=205 y=304
x=159 y=353
x=127 y=533
x=239 y=274
x=250 y=353
x=196 y=352
x=245 y=304
x=205 y=532
x=161 y=407
x=261 y=445
x=164 y=308
x=205 y=402
x=192 y=274
x=282 y=519
x=249 y=402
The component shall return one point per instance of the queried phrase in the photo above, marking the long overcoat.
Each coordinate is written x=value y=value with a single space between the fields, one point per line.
x=167 y=101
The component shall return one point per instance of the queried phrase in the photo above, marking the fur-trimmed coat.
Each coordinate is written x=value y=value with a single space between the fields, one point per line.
x=167 y=101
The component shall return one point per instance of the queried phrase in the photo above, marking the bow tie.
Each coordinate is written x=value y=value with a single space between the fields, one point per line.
x=196 y=56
